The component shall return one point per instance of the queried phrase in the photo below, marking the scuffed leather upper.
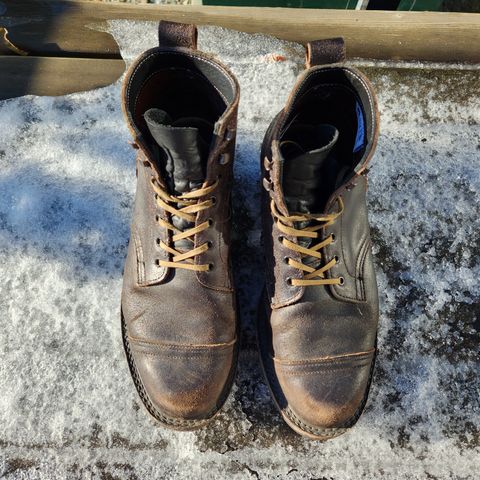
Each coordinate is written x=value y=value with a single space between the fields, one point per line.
x=323 y=336
x=181 y=324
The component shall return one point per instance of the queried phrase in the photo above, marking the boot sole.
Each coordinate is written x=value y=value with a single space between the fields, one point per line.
x=292 y=420
x=161 y=417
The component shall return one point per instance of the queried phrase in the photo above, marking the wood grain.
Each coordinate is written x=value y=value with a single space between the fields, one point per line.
x=65 y=28
x=55 y=76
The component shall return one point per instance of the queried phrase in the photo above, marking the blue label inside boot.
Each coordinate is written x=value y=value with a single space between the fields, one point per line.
x=360 y=138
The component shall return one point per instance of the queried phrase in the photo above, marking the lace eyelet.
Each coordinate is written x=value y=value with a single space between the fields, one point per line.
x=280 y=238
x=214 y=200
x=337 y=260
x=210 y=222
x=333 y=238
x=157 y=241
x=342 y=281
x=224 y=159
x=289 y=281
x=286 y=260
x=209 y=244
x=229 y=134
x=210 y=267
x=157 y=262
x=157 y=218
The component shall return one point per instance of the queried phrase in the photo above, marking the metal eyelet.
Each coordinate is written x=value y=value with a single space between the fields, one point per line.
x=289 y=281
x=229 y=134
x=224 y=159
x=342 y=281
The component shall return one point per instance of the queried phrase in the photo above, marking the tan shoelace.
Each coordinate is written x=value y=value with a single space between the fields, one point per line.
x=285 y=224
x=187 y=207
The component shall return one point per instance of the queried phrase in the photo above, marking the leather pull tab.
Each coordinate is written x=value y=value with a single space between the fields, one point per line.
x=172 y=34
x=322 y=52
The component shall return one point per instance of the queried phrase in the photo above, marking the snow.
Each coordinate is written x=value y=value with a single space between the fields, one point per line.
x=68 y=408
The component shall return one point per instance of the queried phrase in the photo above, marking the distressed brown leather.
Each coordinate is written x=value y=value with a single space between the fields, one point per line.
x=172 y=34
x=329 y=50
x=318 y=342
x=179 y=326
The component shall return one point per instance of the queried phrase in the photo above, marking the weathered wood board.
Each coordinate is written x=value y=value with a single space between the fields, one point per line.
x=70 y=28
x=55 y=76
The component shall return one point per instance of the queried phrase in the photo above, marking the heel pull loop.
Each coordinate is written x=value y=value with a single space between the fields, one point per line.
x=322 y=52
x=172 y=34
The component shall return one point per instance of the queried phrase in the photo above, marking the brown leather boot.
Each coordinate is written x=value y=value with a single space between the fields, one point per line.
x=318 y=324
x=178 y=302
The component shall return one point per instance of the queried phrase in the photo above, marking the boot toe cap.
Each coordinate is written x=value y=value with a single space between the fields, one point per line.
x=325 y=395
x=184 y=383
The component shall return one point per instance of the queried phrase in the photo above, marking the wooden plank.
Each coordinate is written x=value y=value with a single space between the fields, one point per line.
x=55 y=76
x=65 y=28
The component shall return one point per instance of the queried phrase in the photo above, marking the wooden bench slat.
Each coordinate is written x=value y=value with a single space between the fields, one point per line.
x=55 y=76
x=63 y=27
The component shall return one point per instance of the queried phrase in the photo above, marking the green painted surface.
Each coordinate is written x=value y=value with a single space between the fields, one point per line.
x=405 y=5
x=342 y=4
x=421 y=5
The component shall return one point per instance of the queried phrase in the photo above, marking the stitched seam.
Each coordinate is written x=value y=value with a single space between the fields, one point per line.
x=154 y=411
x=358 y=263
x=139 y=257
x=140 y=89
x=361 y=268
x=314 y=372
x=159 y=52
x=331 y=360
x=332 y=431
x=347 y=297
x=180 y=357
x=343 y=249
x=182 y=347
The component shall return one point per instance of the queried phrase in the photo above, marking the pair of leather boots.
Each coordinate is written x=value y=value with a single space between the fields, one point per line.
x=318 y=313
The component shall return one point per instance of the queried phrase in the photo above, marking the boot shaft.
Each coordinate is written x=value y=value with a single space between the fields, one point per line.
x=181 y=108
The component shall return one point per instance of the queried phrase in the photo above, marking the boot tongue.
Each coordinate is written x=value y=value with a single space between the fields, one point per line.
x=183 y=147
x=309 y=162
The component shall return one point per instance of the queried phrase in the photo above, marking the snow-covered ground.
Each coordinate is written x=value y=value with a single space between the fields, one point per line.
x=68 y=408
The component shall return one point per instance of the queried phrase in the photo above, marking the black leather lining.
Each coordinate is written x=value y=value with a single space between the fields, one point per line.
x=207 y=74
x=341 y=77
